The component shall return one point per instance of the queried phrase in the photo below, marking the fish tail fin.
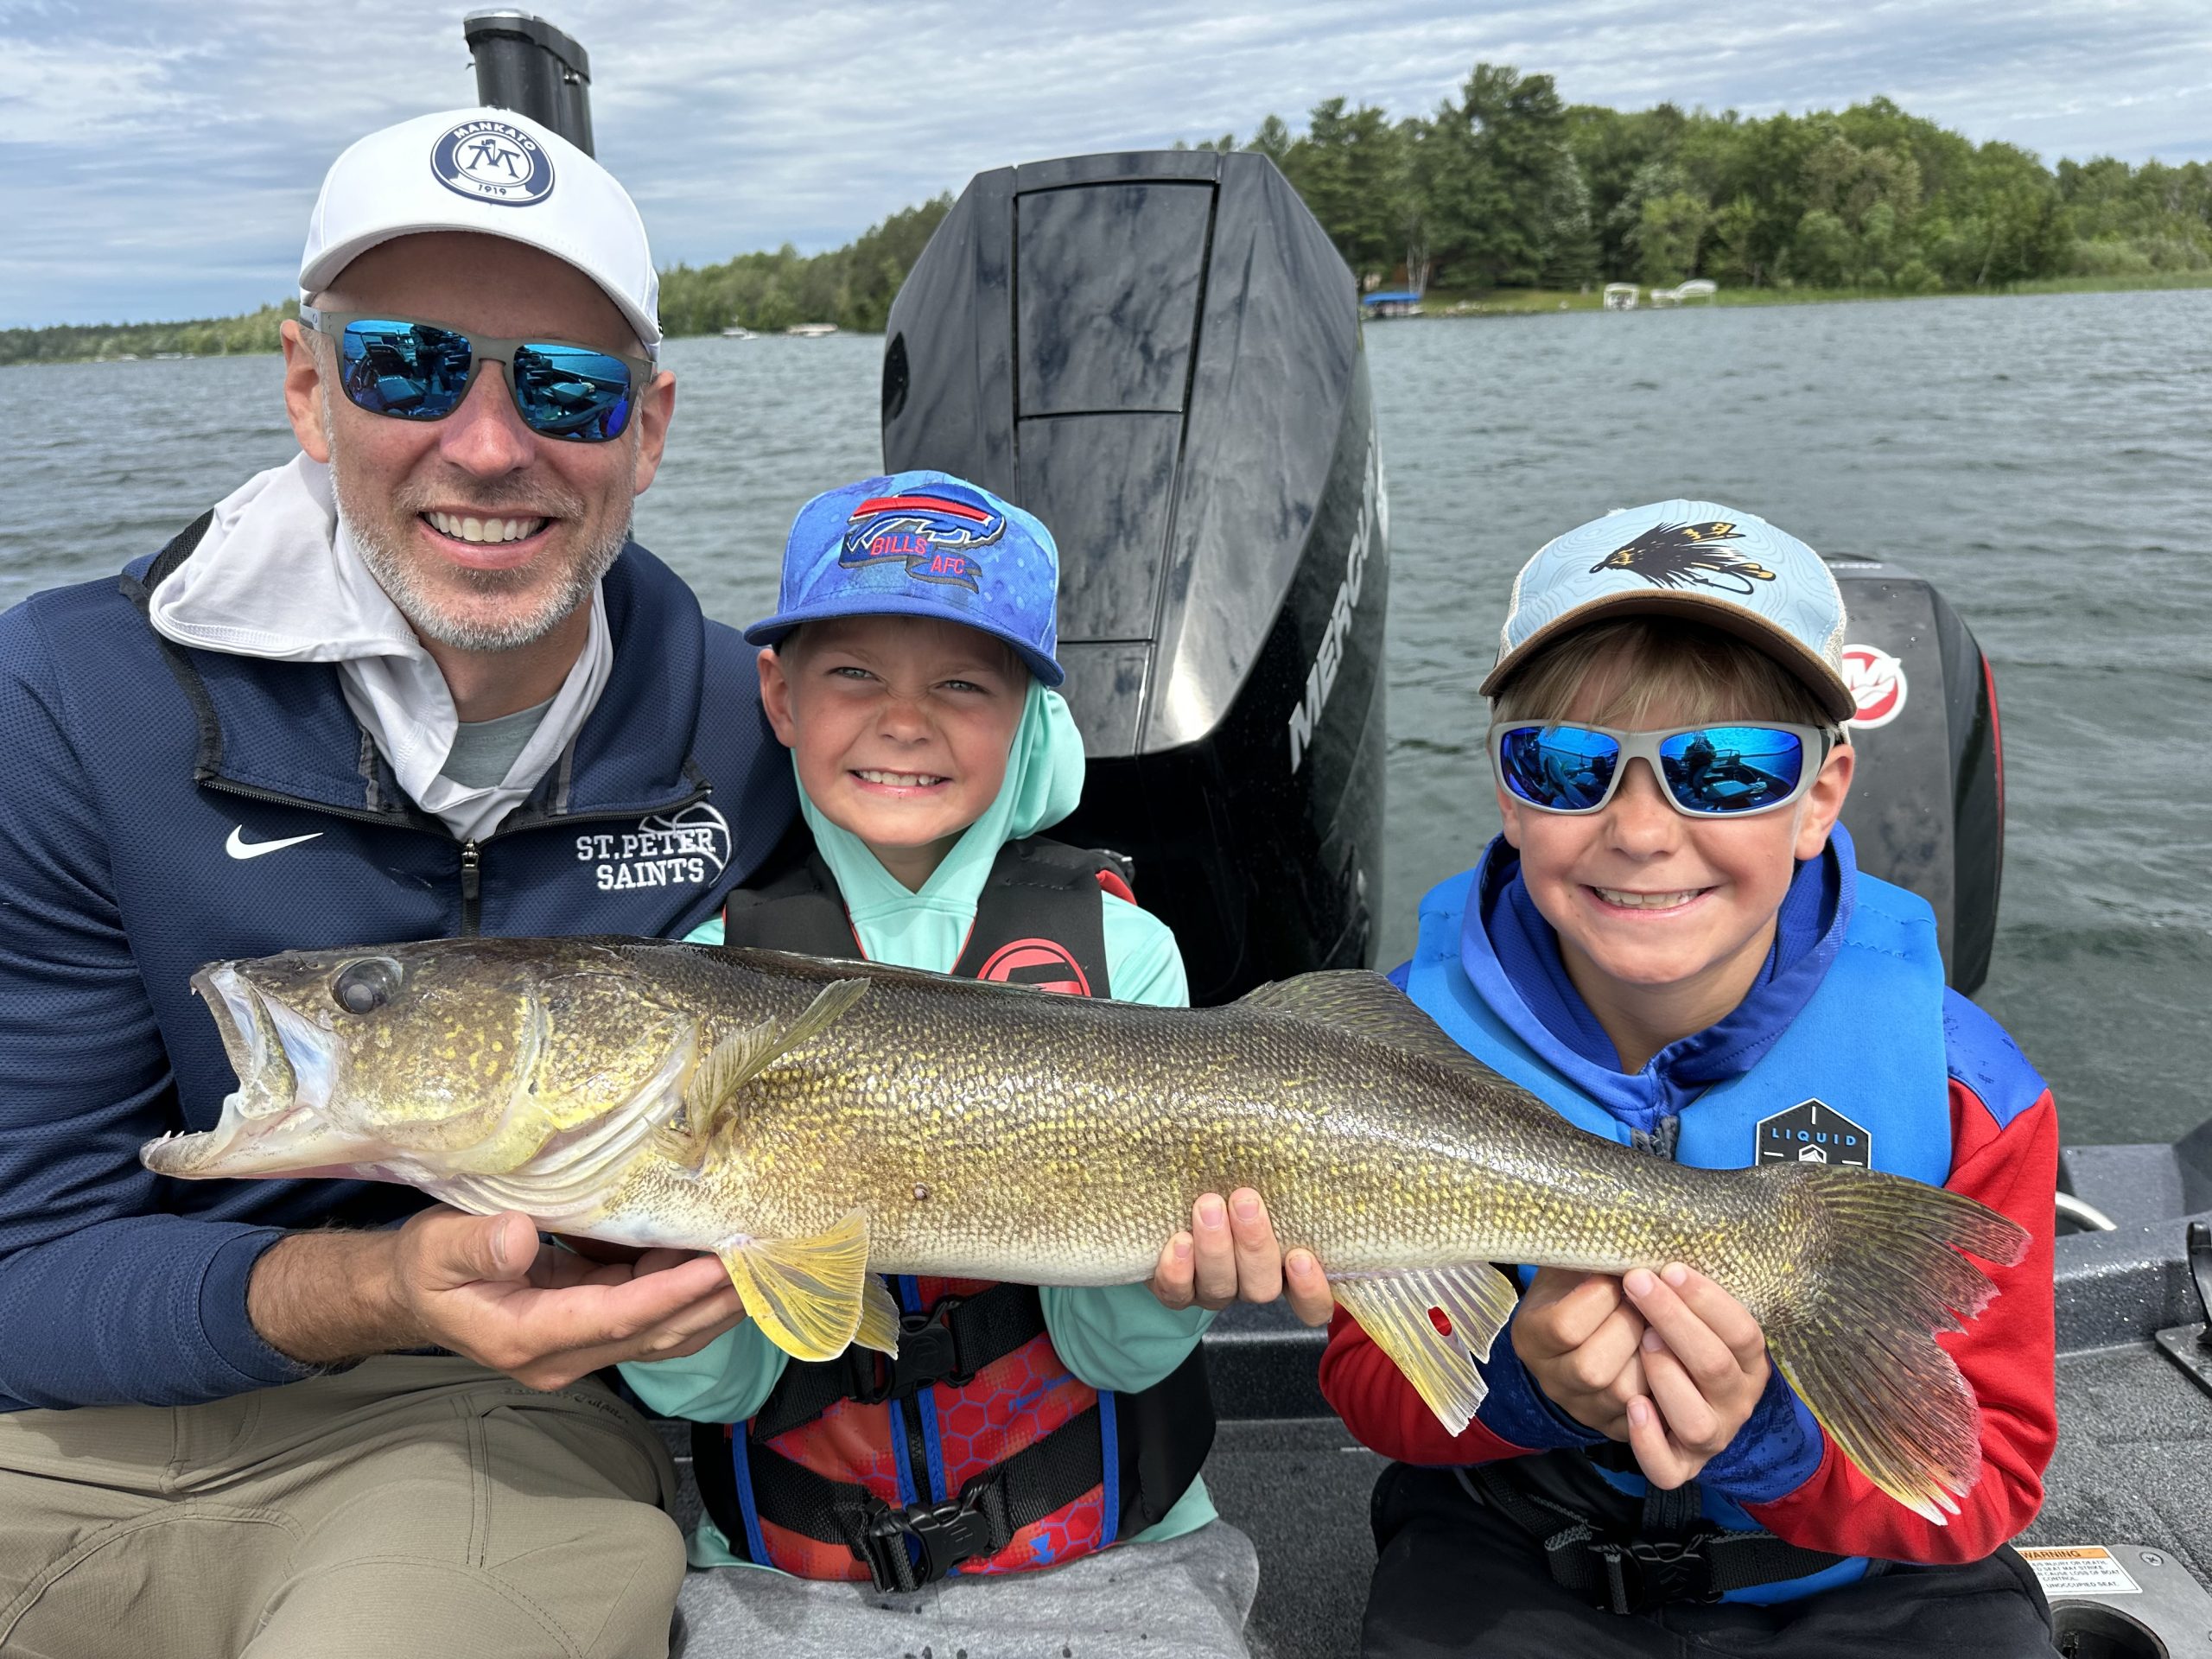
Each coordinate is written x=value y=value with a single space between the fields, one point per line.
x=1882 y=1273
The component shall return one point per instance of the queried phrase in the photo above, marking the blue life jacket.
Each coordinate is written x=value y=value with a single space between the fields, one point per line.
x=1860 y=1076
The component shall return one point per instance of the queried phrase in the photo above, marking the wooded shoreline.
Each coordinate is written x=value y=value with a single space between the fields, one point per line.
x=1509 y=199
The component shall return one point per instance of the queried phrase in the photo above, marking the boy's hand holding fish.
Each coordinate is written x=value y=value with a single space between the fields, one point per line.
x=1230 y=1254
x=1668 y=1363
x=1705 y=1367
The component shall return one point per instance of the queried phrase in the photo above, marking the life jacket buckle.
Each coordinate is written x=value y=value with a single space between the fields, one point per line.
x=948 y=1534
x=928 y=1352
x=1639 y=1574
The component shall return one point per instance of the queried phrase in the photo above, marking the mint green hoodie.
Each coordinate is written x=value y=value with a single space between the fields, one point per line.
x=1118 y=1337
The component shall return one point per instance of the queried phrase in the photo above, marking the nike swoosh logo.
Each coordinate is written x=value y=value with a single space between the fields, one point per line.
x=239 y=847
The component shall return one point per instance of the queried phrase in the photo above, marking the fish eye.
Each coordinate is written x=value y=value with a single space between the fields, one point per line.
x=364 y=987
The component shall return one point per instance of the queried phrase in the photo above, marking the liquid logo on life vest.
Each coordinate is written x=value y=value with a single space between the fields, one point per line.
x=1041 y=964
x=1878 y=686
x=491 y=161
x=1685 y=556
x=1814 y=1131
x=933 y=532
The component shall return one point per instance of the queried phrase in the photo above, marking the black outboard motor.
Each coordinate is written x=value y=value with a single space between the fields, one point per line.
x=523 y=63
x=1927 y=807
x=1159 y=353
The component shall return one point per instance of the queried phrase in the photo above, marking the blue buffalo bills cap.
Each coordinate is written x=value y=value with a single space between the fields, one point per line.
x=1696 y=560
x=923 y=544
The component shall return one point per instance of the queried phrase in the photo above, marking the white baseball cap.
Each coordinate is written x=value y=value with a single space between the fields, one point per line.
x=495 y=172
x=1697 y=560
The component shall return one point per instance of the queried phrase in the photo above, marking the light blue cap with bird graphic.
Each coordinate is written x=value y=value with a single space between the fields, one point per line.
x=1696 y=560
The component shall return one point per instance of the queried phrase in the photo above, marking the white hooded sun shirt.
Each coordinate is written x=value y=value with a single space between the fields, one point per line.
x=278 y=576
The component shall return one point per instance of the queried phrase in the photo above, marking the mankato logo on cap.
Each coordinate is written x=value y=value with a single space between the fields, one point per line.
x=491 y=161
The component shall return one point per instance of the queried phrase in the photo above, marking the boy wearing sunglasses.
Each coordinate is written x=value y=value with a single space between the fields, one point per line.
x=1671 y=945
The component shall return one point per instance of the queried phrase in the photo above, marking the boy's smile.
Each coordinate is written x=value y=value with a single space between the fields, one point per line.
x=1664 y=919
x=900 y=727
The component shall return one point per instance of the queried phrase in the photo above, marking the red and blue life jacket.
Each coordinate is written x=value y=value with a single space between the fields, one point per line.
x=977 y=1450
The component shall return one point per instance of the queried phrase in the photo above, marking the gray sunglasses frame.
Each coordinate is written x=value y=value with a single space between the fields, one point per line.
x=1644 y=746
x=482 y=349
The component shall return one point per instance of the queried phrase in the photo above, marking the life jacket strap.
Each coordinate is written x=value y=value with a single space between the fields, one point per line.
x=1160 y=1440
x=957 y=1337
x=904 y=1547
x=1669 y=1559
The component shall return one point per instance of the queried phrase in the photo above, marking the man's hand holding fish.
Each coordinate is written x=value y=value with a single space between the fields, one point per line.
x=487 y=1288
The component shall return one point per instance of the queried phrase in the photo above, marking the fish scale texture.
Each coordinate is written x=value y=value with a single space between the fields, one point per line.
x=981 y=1133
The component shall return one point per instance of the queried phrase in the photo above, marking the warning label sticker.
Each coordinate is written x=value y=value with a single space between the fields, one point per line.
x=2079 y=1570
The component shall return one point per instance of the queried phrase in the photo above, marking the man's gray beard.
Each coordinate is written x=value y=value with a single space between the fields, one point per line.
x=397 y=579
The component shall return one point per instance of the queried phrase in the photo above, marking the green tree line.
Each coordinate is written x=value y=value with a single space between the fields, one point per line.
x=210 y=337
x=852 y=286
x=1508 y=185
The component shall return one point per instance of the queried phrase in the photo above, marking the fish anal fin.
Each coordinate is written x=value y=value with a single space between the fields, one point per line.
x=1435 y=1324
x=743 y=1054
x=808 y=1295
x=879 y=1326
x=1366 y=1005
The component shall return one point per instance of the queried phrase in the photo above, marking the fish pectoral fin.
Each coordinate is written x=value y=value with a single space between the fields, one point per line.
x=743 y=1054
x=1435 y=1324
x=879 y=1326
x=1366 y=1005
x=808 y=1295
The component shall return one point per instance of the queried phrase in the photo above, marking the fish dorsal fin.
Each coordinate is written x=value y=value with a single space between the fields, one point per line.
x=1400 y=1311
x=808 y=1295
x=741 y=1056
x=1366 y=1005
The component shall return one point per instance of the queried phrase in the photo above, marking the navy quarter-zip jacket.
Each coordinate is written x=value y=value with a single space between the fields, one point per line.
x=162 y=807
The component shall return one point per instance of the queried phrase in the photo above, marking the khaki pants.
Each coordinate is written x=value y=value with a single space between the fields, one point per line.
x=410 y=1506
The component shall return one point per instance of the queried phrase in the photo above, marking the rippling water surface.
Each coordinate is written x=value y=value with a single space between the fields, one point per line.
x=2047 y=461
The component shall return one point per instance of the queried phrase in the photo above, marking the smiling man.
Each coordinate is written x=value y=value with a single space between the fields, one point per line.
x=416 y=682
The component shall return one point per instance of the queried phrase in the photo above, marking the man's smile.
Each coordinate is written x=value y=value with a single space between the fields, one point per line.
x=486 y=541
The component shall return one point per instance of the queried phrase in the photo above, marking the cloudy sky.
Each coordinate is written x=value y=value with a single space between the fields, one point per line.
x=158 y=159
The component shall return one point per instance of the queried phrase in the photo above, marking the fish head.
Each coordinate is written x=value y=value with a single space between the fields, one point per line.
x=423 y=1061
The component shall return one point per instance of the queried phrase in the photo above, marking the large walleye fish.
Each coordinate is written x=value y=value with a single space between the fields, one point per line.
x=813 y=1121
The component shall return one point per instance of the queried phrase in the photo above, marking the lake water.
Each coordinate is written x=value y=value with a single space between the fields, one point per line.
x=2047 y=461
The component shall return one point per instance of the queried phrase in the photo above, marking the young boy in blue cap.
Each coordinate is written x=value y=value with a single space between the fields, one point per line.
x=909 y=668
x=1671 y=945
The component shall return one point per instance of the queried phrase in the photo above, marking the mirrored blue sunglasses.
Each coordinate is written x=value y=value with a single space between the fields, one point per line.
x=1707 y=772
x=414 y=370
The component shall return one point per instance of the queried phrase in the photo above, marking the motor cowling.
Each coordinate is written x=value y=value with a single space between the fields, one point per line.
x=1927 y=805
x=1159 y=354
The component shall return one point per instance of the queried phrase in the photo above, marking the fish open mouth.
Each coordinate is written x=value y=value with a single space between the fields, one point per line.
x=277 y=1123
